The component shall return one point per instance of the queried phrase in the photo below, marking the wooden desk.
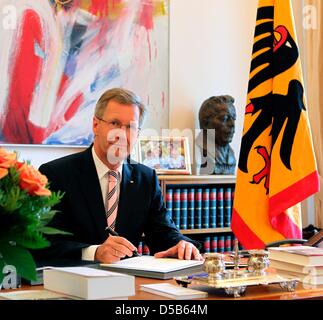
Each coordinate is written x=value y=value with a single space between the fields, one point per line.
x=269 y=292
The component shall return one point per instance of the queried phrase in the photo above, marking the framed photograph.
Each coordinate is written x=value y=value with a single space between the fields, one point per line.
x=167 y=155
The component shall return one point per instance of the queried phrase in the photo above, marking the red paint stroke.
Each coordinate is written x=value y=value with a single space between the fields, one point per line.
x=101 y=7
x=62 y=86
x=146 y=15
x=25 y=76
x=163 y=100
x=74 y=106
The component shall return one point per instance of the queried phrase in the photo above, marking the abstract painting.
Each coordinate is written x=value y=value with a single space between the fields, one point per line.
x=63 y=54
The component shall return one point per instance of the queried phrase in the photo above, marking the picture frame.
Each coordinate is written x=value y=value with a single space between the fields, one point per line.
x=167 y=155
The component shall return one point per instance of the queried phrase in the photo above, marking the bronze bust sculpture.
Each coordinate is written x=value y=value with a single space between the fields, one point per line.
x=217 y=117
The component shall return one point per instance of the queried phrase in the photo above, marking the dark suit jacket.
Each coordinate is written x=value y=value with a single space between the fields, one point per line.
x=141 y=208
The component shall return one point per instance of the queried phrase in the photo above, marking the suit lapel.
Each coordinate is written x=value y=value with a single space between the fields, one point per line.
x=126 y=188
x=91 y=192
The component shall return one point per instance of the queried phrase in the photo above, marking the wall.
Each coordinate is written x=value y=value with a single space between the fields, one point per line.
x=211 y=43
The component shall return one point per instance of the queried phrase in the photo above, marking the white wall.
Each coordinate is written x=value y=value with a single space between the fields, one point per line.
x=210 y=50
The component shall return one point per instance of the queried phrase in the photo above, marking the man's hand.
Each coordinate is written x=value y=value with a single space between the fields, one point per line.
x=183 y=250
x=113 y=249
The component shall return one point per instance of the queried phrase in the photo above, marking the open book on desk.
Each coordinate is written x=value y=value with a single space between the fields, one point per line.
x=158 y=268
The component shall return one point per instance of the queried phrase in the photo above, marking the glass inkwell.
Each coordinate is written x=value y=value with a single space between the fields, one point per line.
x=234 y=281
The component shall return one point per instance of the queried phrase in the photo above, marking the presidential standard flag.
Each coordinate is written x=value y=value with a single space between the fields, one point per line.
x=277 y=168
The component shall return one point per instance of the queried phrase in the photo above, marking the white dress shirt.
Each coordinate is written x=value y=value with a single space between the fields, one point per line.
x=102 y=170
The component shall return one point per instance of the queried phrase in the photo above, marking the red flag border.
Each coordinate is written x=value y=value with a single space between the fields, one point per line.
x=294 y=194
x=287 y=198
x=245 y=235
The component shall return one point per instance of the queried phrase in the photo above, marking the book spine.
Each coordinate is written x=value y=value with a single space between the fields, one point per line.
x=145 y=250
x=177 y=207
x=183 y=212
x=191 y=205
x=214 y=244
x=228 y=243
x=169 y=202
x=219 y=211
x=207 y=245
x=198 y=209
x=213 y=208
x=221 y=244
x=227 y=207
x=139 y=249
x=205 y=208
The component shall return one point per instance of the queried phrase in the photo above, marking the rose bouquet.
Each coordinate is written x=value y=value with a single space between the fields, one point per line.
x=25 y=211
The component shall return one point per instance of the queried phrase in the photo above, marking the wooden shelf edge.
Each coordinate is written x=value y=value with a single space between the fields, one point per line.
x=201 y=231
x=191 y=179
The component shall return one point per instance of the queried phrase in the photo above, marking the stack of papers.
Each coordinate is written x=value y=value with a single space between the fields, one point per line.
x=89 y=283
x=158 y=268
x=172 y=291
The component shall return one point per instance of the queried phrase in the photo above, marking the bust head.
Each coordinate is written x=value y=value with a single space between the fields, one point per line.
x=217 y=117
x=218 y=113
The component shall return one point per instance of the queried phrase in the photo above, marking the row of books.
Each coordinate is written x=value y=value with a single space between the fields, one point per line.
x=200 y=208
x=222 y=243
x=303 y=262
x=143 y=249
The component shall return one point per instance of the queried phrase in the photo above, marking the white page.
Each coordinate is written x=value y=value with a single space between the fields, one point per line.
x=88 y=272
x=150 y=263
x=35 y=295
x=173 y=289
x=174 y=292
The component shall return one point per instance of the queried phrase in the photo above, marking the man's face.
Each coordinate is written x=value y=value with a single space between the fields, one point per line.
x=223 y=123
x=116 y=133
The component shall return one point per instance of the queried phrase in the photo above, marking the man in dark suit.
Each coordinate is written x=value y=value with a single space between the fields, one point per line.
x=104 y=189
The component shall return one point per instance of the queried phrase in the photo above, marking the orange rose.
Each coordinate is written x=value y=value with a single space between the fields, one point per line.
x=7 y=160
x=32 y=180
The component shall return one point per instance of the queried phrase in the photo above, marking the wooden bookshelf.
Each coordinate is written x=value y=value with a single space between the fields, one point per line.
x=191 y=181
x=182 y=180
x=201 y=231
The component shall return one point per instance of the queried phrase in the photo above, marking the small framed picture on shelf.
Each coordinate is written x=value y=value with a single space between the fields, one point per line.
x=167 y=155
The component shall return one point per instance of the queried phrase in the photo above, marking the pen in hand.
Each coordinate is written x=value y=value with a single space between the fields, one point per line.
x=114 y=233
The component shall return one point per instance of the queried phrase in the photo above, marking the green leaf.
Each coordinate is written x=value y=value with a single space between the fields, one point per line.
x=33 y=241
x=2 y=264
x=46 y=218
x=21 y=259
x=50 y=230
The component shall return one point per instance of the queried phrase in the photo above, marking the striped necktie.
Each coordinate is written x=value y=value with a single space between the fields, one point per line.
x=112 y=198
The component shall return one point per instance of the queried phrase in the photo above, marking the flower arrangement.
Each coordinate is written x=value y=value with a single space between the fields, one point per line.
x=25 y=211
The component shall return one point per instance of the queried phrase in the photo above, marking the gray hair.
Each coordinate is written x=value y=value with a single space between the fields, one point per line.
x=122 y=96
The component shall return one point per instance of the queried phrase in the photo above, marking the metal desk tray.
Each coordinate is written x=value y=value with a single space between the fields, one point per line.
x=235 y=283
